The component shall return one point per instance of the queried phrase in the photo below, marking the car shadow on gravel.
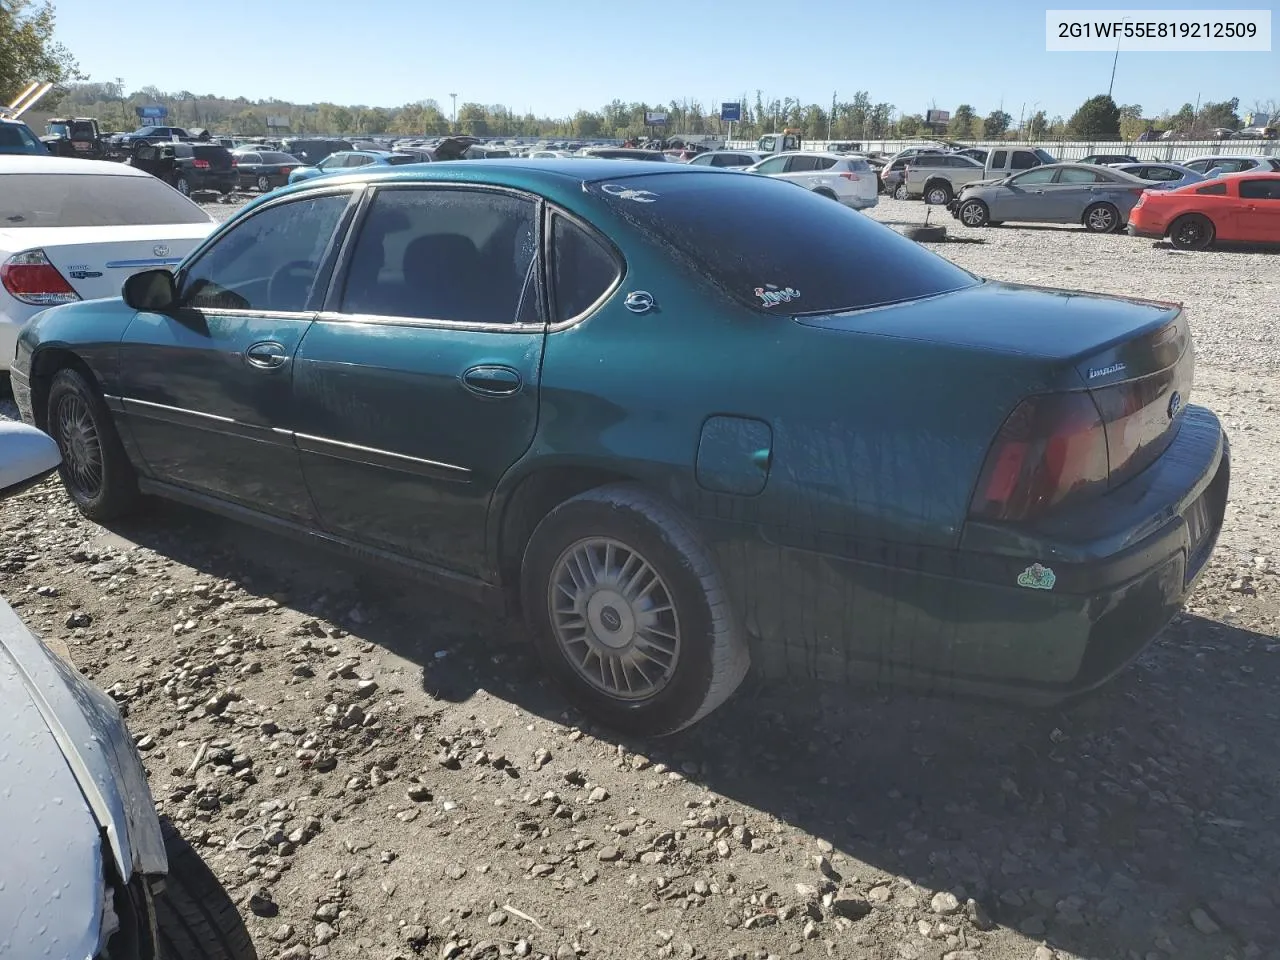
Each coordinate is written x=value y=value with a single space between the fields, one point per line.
x=1143 y=819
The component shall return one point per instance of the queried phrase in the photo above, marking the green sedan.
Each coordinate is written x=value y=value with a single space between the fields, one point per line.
x=685 y=420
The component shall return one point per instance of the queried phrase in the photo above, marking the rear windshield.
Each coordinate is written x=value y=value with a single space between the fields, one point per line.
x=778 y=247
x=92 y=200
x=397 y=159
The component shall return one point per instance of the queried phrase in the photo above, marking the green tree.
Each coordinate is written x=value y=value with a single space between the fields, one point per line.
x=1183 y=120
x=879 y=120
x=1132 y=125
x=1097 y=119
x=587 y=124
x=1224 y=114
x=1037 y=126
x=909 y=126
x=28 y=51
x=473 y=120
x=996 y=123
x=963 y=122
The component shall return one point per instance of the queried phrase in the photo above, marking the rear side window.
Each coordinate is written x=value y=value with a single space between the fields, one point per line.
x=1072 y=175
x=583 y=269
x=464 y=256
x=398 y=161
x=92 y=200
x=802 y=164
x=779 y=249
x=1214 y=189
x=1024 y=160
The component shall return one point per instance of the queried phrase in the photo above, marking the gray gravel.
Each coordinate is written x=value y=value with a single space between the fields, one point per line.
x=377 y=771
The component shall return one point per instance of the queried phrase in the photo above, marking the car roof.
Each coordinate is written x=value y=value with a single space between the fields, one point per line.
x=34 y=163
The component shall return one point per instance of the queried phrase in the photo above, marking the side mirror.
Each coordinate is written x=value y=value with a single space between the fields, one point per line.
x=151 y=290
x=27 y=456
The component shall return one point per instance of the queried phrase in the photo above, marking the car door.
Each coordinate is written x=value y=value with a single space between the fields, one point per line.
x=773 y=166
x=1072 y=191
x=1022 y=197
x=1258 y=219
x=247 y=165
x=417 y=387
x=207 y=389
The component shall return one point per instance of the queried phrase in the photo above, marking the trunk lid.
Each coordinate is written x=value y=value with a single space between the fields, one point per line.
x=217 y=157
x=97 y=260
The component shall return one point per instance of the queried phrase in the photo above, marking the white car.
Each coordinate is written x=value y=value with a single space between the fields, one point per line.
x=847 y=179
x=727 y=159
x=76 y=229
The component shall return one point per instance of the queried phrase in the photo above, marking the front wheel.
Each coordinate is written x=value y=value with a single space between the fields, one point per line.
x=195 y=919
x=1102 y=218
x=628 y=611
x=95 y=468
x=938 y=194
x=974 y=213
x=1192 y=231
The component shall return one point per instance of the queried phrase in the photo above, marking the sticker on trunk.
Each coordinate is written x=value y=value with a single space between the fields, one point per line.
x=1037 y=577
x=771 y=295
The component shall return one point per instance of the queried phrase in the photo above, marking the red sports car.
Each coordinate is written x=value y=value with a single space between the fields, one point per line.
x=1237 y=207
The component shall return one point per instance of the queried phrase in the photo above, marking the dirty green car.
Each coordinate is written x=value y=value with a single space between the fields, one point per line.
x=685 y=420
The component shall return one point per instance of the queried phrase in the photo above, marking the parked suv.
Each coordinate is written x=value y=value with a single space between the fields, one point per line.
x=16 y=137
x=312 y=150
x=189 y=168
x=847 y=179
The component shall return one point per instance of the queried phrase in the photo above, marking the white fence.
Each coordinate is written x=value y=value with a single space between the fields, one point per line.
x=1166 y=150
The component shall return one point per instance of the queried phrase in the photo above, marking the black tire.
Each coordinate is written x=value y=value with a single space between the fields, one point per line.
x=938 y=193
x=900 y=192
x=926 y=234
x=712 y=656
x=85 y=433
x=974 y=213
x=264 y=184
x=195 y=919
x=1102 y=218
x=1192 y=231
x=183 y=186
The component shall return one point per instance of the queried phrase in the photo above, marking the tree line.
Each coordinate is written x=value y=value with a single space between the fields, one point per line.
x=27 y=52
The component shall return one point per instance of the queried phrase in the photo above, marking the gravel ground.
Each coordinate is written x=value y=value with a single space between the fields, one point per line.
x=375 y=770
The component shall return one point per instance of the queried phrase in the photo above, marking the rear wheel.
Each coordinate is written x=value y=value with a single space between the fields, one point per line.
x=1102 y=218
x=1192 y=231
x=974 y=213
x=938 y=194
x=900 y=192
x=183 y=186
x=95 y=468
x=195 y=919
x=628 y=611
x=264 y=184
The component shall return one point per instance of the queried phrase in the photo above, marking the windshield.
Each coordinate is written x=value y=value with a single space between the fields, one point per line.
x=769 y=244
x=1045 y=156
x=59 y=130
x=92 y=200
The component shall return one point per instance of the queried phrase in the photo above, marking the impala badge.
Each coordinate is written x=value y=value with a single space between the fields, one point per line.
x=160 y=250
x=639 y=301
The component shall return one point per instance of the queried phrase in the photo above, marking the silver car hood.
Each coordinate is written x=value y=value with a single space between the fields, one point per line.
x=51 y=885
x=69 y=776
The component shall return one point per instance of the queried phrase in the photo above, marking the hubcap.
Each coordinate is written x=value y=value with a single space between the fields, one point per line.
x=1101 y=218
x=1189 y=232
x=264 y=184
x=937 y=196
x=80 y=447
x=614 y=618
x=972 y=214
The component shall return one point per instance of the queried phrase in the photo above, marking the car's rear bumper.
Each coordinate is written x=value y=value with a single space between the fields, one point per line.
x=1134 y=230
x=959 y=622
x=219 y=181
x=860 y=203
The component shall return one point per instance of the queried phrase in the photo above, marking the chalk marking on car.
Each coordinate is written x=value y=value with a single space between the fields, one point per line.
x=627 y=193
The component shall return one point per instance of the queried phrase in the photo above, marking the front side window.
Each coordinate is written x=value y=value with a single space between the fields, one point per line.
x=583 y=268
x=999 y=158
x=1034 y=178
x=772 y=165
x=1260 y=190
x=459 y=255
x=705 y=160
x=332 y=162
x=270 y=261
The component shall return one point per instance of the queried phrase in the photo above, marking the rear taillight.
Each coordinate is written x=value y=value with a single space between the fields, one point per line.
x=850 y=176
x=200 y=164
x=1051 y=447
x=235 y=162
x=31 y=278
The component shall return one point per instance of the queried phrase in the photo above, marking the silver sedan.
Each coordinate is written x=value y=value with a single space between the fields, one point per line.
x=1097 y=197
x=1165 y=176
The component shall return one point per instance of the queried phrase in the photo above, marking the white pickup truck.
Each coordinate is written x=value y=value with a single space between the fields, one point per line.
x=938 y=178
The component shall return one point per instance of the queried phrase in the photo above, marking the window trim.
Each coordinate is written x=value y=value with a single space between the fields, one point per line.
x=332 y=300
x=548 y=251
x=327 y=259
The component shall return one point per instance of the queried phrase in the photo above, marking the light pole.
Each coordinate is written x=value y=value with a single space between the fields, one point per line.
x=455 y=110
x=1111 y=86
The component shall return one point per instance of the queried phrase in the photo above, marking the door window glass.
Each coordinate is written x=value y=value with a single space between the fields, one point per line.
x=246 y=158
x=1260 y=189
x=1034 y=178
x=998 y=159
x=772 y=165
x=583 y=268
x=824 y=163
x=1024 y=160
x=802 y=164
x=443 y=254
x=269 y=262
x=1214 y=189
x=1072 y=175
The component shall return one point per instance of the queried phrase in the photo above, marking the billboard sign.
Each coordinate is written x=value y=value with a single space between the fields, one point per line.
x=151 y=113
x=276 y=123
x=937 y=116
x=655 y=119
x=731 y=112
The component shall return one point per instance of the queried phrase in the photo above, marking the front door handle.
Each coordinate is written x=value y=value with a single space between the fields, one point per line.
x=492 y=380
x=266 y=355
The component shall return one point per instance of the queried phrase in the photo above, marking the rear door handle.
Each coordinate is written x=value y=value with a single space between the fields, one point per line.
x=266 y=355
x=492 y=380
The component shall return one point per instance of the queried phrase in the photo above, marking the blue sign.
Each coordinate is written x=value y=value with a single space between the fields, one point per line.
x=151 y=113
x=731 y=112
